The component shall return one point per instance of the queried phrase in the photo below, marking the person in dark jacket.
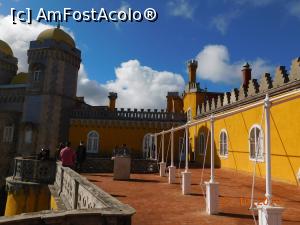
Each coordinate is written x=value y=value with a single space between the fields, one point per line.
x=60 y=147
x=81 y=155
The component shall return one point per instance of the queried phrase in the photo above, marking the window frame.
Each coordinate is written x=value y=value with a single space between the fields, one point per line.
x=260 y=158
x=28 y=136
x=8 y=134
x=37 y=75
x=88 y=150
x=224 y=156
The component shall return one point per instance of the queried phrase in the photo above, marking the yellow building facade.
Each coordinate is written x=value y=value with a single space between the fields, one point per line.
x=239 y=137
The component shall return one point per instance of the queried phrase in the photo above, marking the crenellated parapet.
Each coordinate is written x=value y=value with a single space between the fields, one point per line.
x=127 y=114
x=281 y=82
x=234 y=95
x=295 y=69
x=281 y=76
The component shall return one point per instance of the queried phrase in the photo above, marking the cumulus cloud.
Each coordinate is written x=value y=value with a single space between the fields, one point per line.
x=137 y=86
x=214 y=64
x=142 y=86
x=93 y=92
x=181 y=8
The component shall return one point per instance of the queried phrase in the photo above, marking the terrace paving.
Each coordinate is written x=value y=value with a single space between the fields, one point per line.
x=157 y=202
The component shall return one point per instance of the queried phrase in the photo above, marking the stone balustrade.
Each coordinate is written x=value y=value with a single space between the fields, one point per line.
x=76 y=192
x=33 y=170
x=77 y=200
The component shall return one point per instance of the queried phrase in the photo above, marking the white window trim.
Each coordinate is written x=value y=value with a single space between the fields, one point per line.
x=97 y=149
x=204 y=139
x=28 y=136
x=6 y=138
x=37 y=75
x=226 y=155
x=262 y=158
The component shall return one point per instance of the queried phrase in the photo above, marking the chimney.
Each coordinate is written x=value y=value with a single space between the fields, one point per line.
x=246 y=74
x=112 y=100
x=192 y=66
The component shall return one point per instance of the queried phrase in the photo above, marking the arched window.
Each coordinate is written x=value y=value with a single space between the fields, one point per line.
x=256 y=143
x=202 y=143
x=223 y=143
x=92 y=142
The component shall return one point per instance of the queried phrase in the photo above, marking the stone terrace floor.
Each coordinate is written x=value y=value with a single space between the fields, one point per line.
x=157 y=202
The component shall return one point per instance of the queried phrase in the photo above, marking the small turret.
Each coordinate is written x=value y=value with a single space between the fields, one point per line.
x=112 y=100
x=192 y=67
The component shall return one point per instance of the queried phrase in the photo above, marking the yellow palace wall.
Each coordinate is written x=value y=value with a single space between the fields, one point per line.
x=285 y=146
x=110 y=136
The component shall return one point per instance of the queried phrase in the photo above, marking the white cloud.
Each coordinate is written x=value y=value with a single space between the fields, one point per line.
x=137 y=86
x=143 y=87
x=294 y=8
x=222 y=21
x=181 y=8
x=94 y=93
x=214 y=65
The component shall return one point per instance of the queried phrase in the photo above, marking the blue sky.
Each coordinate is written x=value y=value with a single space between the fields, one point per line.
x=265 y=32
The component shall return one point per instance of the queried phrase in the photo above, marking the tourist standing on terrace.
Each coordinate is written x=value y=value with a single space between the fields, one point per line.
x=81 y=155
x=68 y=156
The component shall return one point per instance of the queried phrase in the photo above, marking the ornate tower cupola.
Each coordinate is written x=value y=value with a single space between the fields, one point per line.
x=54 y=62
x=8 y=63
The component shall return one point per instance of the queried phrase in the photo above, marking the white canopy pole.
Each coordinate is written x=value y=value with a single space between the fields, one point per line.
x=163 y=148
x=172 y=148
x=186 y=149
x=212 y=150
x=155 y=145
x=268 y=150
